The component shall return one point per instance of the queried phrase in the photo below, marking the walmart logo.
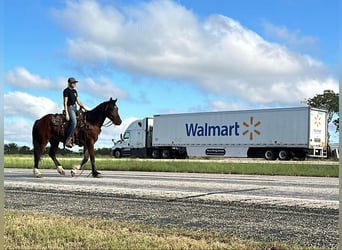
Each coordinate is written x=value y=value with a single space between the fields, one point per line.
x=251 y=128
x=317 y=120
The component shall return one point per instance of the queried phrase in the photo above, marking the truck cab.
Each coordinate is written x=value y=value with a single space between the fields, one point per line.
x=135 y=140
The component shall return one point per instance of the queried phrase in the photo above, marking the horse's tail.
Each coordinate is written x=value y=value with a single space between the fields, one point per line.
x=36 y=144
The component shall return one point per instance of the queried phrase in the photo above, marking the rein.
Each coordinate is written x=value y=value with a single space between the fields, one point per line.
x=108 y=124
x=102 y=108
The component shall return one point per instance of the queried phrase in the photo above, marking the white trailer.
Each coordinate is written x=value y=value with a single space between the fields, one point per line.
x=283 y=133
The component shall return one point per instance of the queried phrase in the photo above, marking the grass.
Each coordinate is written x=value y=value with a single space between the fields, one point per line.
x=32 y=230
x=262 y=168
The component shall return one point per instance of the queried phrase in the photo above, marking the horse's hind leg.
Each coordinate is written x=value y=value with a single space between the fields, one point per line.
x=39 y=145
x=38 y=150
x=52 y=154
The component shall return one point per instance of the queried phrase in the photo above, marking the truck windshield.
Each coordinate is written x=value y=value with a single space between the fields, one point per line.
x=126 y=135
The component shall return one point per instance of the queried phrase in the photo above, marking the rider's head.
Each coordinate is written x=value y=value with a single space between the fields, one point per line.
x=71 y=81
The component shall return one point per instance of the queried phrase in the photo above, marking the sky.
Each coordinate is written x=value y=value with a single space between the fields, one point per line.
x=164 y=56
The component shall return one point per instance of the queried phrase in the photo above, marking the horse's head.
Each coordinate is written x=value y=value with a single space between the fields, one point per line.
x=112 y=111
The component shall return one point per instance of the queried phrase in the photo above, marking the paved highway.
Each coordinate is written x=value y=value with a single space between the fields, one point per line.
x=300 y=210
x=281 y=190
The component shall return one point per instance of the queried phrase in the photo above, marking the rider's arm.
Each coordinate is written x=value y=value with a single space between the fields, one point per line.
x=80 y=103
x=66 y=106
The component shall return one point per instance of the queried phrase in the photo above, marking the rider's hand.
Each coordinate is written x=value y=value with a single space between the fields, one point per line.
x=67 y=116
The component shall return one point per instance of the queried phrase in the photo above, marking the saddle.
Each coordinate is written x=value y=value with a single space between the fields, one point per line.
x=61 y=125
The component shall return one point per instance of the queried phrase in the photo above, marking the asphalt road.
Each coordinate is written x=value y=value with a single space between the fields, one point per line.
x=300 y=210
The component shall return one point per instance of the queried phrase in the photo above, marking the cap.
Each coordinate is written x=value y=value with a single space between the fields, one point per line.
x=72 y=80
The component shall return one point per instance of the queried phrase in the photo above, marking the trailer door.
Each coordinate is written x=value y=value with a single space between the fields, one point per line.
x=318 y=129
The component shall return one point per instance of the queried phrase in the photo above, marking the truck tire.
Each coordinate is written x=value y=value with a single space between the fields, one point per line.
x=299 y=154
x=283 y=155
x=117 y=153
x=269 y=154
x=165 y=154
x=155 y=153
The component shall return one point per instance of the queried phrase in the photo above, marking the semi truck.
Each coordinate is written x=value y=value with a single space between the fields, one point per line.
x=279 y=133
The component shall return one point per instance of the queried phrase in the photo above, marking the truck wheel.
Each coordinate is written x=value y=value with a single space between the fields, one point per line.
x=155 y=154
x=165 y=154
x=269 y=154
x=117 y=153
x=299 y=155
x=283 y=155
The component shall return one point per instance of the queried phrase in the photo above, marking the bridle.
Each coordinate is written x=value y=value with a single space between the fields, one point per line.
x=110 y=122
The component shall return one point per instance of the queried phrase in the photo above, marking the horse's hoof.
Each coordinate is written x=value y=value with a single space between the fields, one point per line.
x=73 y=173
x=74 y=170
x=97 y=175
x=60 y=170
x=37 y=173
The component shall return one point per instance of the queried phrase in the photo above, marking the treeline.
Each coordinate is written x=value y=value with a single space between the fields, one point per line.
x=13 y=148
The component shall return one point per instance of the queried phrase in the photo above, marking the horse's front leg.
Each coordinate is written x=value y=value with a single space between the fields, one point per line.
x=92 y=160
x=52 y=154
x=83 y=162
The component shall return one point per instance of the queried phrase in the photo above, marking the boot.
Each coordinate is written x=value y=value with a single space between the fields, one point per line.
x=68 y=142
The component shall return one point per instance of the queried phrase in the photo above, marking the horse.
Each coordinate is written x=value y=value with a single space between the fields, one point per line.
x=52 y=128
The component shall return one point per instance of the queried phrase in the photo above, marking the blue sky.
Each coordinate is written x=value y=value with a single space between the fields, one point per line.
x=164 y=57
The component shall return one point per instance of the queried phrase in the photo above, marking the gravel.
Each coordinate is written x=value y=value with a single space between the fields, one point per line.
x=306 y=226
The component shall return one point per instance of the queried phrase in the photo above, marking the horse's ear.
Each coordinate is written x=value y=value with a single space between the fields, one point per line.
x=111 y=100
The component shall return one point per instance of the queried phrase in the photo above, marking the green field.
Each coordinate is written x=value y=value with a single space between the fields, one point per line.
x=290 y=168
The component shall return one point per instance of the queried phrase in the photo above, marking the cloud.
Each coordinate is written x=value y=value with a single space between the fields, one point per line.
x=293 y=38
x=18 y=131
x=25 y=105
x=101 y=87
x=164 y=39
x=219 y=105
x=21 y=77
x=104 y=88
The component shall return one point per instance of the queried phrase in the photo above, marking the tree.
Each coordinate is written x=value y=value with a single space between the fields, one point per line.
x=25 y=150
x=329 y=101
x=11 y=148
x=103 y=151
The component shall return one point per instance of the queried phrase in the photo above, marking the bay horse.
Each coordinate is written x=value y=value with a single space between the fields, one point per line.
x=46 y=129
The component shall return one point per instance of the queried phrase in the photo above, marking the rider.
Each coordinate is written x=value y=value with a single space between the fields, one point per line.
x=70 y=98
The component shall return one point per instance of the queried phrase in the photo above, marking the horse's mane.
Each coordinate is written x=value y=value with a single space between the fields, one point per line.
x=97 y=114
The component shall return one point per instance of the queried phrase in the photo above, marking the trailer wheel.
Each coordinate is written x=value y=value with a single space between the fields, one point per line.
x=155 y=153
x=299 y=154
x=117 y=153
x=165 y=154
x=269 y=154
x=181 y=153
x=283 y=155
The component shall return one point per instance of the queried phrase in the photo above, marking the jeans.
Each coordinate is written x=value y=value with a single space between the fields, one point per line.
x=72 y=122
